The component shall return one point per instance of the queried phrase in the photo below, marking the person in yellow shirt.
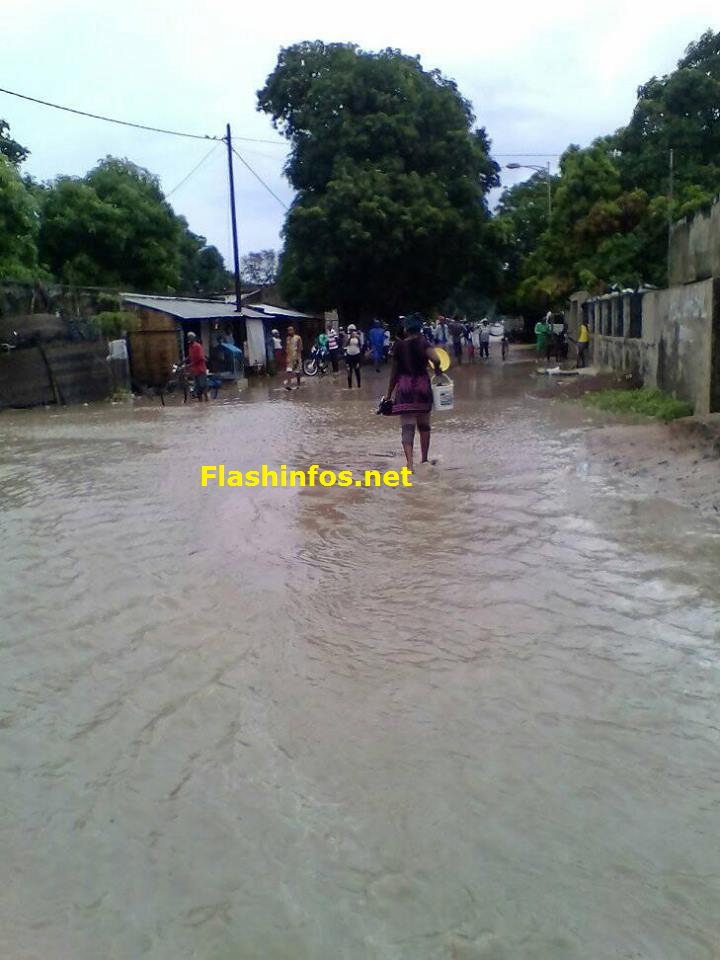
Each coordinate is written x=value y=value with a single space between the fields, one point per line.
x=583 y=342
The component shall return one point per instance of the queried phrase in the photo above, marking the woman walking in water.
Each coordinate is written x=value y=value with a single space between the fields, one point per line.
x=410 y=383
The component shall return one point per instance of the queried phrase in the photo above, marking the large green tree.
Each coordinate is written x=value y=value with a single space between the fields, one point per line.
x=614 y=199
x=202 y=267
x=678 y=112
x=521 y=218
x=113 y=228
x=391 y=177
x=599 y=232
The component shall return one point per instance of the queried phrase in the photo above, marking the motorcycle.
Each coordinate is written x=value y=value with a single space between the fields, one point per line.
x=317 y=363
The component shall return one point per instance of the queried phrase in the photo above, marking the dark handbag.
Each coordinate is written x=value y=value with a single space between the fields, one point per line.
x=385 y=407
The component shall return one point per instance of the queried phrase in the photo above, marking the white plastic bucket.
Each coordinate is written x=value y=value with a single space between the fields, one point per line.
x=443 y=391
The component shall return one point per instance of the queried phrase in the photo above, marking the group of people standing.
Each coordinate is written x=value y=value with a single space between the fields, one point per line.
x=473 y=337
x=549 y=341
x=409 y=391
x=351 y=345
x=348 y=344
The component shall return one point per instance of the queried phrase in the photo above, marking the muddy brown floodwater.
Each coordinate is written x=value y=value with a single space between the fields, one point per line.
x=477 y=718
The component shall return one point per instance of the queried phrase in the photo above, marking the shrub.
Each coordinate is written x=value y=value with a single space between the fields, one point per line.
x=113 y=323
x=646 y=401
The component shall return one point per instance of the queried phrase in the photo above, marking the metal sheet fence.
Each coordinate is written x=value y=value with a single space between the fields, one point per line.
x=75 y=372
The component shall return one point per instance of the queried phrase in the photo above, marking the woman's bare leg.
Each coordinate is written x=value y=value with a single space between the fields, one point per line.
x=423 y=424
x=407 y=432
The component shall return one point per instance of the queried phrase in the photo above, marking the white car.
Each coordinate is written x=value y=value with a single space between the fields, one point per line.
x=497 y=329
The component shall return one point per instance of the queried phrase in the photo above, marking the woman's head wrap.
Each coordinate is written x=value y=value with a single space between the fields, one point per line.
x=413 y=323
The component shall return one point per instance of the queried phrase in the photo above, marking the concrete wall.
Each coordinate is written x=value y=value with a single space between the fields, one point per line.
x=574 y=312
x=681 y=327
x=615 y=353
x=615 y=324
x=694 y=251
x=665 y=338
x=668 y=338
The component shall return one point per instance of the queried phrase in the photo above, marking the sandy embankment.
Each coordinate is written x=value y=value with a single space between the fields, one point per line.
x=678 y=461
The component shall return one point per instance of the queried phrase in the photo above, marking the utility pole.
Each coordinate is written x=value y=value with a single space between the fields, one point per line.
x=236 y=258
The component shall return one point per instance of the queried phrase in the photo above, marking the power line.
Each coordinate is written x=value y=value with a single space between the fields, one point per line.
x=260 y=179
x=194 y=170
x=274 y=143
x=97 y=116
x=128 y=123
x=193 y=136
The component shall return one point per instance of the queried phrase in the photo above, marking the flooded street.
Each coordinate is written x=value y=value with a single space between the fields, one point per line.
x=476 y=718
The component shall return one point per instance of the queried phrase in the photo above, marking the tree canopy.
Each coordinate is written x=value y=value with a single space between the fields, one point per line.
x=19 y=225
x=260 y=268
x=111 y=228
x=9 y=148
x=202 y=266
x=612 y=200
x=391 y=179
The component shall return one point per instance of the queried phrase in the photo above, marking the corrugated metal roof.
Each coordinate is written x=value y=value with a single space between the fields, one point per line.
x=282 y=312
x=186 y=308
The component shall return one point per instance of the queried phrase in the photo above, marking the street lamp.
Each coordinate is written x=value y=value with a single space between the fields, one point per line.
x=545 y=170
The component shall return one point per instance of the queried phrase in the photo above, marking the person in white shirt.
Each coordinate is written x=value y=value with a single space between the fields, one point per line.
x=277 y=346
x=474 y=342
x=353 y=353
x=485 y=339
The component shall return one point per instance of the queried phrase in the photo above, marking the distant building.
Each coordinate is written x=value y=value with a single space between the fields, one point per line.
x=232 y=340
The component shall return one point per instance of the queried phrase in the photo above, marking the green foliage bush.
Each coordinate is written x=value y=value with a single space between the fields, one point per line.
x=646 y=401
x=114 y=323
x=108 y=301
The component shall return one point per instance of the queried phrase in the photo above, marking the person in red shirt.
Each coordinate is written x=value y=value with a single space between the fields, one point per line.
x=198 y=366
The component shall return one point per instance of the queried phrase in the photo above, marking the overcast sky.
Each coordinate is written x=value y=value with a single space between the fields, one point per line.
x=540 y=76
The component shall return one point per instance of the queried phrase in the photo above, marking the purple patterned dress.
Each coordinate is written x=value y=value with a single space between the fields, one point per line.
x=413 y=393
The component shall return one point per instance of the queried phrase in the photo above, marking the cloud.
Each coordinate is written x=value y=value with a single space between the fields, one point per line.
x=540 y=76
